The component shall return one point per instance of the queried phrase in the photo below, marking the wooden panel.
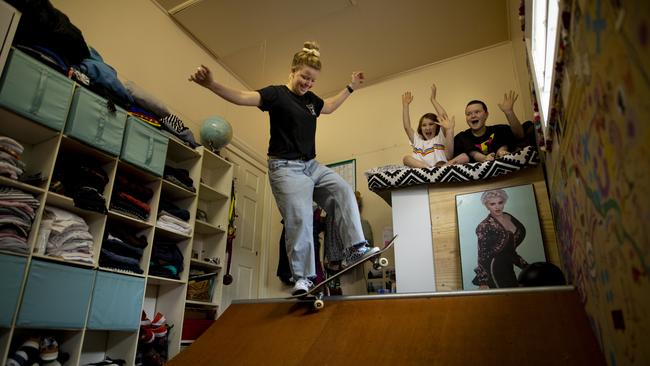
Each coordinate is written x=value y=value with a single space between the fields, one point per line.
x=531 y=328
x=444 y=222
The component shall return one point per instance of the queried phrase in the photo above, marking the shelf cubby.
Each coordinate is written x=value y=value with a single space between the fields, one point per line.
x=164 y=297
x=118 y=345
x=69 y=341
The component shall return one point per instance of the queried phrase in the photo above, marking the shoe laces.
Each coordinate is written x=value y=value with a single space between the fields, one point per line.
x=307 y=283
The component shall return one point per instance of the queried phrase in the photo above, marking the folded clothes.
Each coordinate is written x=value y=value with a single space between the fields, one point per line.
x=119 y=247
x=128 y=185
x=174 y=210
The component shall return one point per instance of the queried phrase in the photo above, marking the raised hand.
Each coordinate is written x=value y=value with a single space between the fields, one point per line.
x=202 y=76
x=358 y=79
x=446 y=123
x=407 y=98
x=433 y=91
x=509 y=100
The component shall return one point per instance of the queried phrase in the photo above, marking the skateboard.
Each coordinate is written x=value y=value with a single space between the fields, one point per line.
x=316 y=294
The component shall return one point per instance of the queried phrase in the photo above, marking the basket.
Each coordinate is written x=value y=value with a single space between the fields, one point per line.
x=200 y=290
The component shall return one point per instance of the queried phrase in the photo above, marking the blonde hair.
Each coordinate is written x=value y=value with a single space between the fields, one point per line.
x=495 y=193
x=309 y=56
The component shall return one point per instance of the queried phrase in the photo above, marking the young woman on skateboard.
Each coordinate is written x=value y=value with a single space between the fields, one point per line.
x=296 y=178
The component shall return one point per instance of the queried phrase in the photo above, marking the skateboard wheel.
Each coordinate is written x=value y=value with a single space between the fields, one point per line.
x=319 y=304
x=383 y=261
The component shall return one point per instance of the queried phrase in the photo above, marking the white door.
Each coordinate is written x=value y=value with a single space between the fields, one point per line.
x=249 y=185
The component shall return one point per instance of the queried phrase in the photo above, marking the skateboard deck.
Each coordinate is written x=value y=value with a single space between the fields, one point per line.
x=316 y=293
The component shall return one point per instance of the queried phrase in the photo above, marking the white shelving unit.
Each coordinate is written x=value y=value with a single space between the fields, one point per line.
x=212 y=177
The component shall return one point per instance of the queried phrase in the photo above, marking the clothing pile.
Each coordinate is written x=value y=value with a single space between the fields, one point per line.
x=180 y=177
x=17 y=212
x=83 y=179
x=131 y=198
x=166 y=259
x=65 y=235
x=154 y=112
x=174 y=126
x=10 y=152
x=122 y=250
x=173 y=218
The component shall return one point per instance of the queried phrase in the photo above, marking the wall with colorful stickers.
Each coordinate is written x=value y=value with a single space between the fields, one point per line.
x=598 y=168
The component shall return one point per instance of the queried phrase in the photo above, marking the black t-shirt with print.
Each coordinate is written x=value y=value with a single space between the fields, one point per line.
x=494 y=137
x=293 y=122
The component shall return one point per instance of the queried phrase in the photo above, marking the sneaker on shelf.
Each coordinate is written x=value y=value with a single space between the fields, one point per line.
x=301 y=286
x=158 y=320
x=27 y=354
x=146 y=335
x=358 y=254
x=160 y=331
x=144 y=320
x=49 y=349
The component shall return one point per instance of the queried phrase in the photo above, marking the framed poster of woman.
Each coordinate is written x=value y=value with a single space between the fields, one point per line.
x=499 y=234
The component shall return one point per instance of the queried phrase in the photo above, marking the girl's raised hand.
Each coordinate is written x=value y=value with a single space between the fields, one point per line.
x=357 y=79
x=202 y=76
x=433 y=91
x=446 y=123
x=407 y=98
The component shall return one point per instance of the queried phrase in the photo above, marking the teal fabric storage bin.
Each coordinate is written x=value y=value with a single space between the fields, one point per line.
x=55 y=296
x=35 y=91
x=12 y=269
x=92 y=121
x=144 y=146
x=116 y=302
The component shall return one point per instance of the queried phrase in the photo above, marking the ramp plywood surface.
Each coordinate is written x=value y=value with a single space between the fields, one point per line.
x=534 y=328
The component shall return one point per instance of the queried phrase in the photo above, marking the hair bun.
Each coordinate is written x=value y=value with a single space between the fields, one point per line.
x=311 y=45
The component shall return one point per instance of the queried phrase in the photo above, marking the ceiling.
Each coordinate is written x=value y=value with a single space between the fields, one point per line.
x=256 y=39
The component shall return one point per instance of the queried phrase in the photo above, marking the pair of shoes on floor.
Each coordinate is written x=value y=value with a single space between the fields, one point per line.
x=34 y=351
x=302 y=286
x=358 y=254
x=152 y=329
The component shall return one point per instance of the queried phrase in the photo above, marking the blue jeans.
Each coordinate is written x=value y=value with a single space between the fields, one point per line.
x=295 y=185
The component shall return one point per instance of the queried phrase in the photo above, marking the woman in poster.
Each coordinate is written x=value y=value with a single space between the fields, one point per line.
x=499 y=235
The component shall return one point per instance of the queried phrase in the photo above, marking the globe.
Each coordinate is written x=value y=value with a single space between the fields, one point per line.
x=216 y=133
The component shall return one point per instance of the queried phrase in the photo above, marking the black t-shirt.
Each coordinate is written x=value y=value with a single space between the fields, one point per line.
x=293 y=122
x=493 y=138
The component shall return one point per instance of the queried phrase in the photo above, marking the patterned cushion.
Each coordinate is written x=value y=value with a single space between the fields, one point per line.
x=392 y=176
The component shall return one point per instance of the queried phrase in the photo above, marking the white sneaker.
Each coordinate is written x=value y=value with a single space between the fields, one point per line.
x=302 y=286
x=359 y=254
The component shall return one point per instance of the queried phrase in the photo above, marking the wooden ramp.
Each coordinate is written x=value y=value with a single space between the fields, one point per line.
x=546 y=327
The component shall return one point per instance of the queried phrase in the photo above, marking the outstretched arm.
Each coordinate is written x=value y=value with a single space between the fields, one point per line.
x=407 y=98
x=203 y=77
x=332 y=103
x=442 y=114
x=509 y=100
